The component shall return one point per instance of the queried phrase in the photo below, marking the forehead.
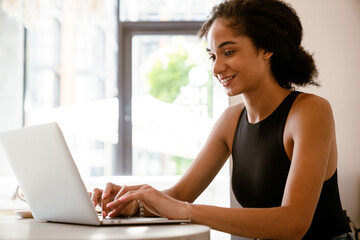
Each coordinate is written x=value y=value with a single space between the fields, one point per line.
x=219 y=32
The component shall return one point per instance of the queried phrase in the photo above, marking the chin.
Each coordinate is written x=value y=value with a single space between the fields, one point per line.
x=232 y=93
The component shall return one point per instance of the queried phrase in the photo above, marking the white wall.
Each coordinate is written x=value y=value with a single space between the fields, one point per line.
x=332 y=33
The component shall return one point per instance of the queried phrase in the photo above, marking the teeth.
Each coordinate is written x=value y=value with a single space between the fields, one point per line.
x=226 y=79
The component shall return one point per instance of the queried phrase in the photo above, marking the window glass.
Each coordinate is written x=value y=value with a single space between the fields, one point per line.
x=175 y=102
x=71 y=69
x=71 y=76
x=11 y=82
x=165 y=10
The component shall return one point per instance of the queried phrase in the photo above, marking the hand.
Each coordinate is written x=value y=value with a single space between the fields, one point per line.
x=102 y=198
x=154 y=201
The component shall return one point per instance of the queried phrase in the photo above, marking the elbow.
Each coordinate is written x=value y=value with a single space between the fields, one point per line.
x=297 y=229
x=300 y=231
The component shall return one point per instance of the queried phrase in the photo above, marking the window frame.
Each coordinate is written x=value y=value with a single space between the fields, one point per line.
x=123 y=165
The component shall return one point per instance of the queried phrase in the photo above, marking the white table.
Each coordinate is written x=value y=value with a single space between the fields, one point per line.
x=13 y=227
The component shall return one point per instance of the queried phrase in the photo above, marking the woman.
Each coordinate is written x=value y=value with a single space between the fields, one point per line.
x=282 y=142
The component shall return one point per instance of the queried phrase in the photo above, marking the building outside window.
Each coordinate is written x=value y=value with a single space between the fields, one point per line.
x=158 y=96
x=72 y=76
x=128 y=82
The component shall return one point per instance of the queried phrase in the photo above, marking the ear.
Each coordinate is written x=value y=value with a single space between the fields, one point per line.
x=267 y=54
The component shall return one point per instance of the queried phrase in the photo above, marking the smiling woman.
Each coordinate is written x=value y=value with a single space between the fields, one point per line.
x=239 y=54
x=282 y=141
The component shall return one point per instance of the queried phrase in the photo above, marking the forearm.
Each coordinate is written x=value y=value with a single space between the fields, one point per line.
x=267 y=223
x=172 y=192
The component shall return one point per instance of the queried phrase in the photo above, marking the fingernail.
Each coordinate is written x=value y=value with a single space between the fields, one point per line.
x=111 y=214
x=103 y=214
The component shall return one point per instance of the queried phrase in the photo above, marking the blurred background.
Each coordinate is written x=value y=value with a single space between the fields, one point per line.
x=129 y=83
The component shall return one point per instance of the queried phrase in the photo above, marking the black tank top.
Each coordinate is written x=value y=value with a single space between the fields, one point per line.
x=261 y=167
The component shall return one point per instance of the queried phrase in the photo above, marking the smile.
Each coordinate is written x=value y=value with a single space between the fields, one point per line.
x=224 y=80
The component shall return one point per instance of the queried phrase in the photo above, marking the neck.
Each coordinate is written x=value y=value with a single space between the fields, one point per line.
x=261 y=102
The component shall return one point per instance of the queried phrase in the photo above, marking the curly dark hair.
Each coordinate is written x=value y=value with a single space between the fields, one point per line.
x=274 y=26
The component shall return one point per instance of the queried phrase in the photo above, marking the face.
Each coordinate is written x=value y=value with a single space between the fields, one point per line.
x=236 y=62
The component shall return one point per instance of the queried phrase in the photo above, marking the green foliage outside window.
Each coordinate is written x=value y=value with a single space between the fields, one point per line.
x=167 y=78
x=182 y=164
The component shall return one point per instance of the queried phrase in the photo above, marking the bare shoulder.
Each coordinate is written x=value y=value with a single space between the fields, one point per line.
x=311 y=111
x=229 y=118
x=311 y=99
x=224 y=128
x=307 y=103
x=233 y=110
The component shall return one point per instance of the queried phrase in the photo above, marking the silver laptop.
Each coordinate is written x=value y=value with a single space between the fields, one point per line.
x=50 y=180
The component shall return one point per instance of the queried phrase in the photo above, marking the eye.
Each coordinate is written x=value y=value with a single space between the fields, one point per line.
x=228 y=52
x=212 y=57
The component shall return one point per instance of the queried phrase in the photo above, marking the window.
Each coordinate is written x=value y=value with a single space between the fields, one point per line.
x=11 y=72
x=128 y=82
x=166 y=91
x=168 y=100
x=172 y=103
x=171 y=107
x=165 y=10
x=71 y=77
x=117 y=115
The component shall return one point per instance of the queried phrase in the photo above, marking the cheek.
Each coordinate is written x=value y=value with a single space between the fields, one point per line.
x=247 y=68
x=254 y=67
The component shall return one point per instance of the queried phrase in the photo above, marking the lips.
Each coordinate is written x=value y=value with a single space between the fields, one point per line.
x=224 y=80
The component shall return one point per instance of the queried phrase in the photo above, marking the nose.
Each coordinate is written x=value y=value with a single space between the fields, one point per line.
x=218 y=66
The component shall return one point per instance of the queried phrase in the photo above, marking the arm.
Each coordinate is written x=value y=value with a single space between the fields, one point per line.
x=310 y=143
x=310 y=139
x=201 y=172
x=210 y=159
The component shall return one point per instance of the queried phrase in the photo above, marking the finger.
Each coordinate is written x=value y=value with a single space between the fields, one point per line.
x=130 y=193
x=124 y=190
x=96 y=196
x=104 y=209
x=108 y=196
x=120 y=205
x=126 y=195
x=109 y=188
x=113 y=212
x=105 y=198
x=153 y=200
x=127 y=210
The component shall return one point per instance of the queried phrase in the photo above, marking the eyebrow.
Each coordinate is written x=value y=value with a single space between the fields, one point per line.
x=222 y=45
